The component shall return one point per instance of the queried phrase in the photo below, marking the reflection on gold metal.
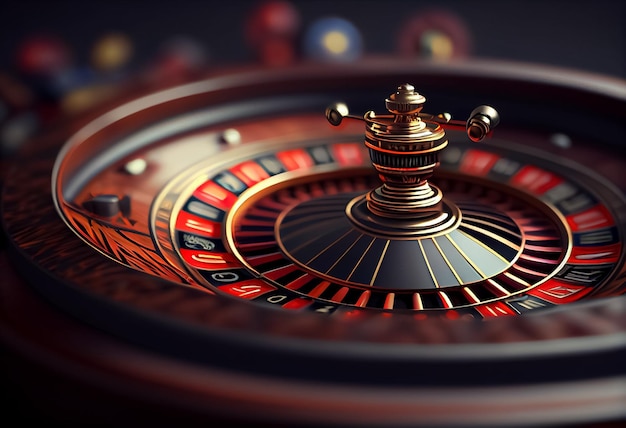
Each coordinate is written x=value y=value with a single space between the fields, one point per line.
x=404 y=148
x=430 y=269
x=469 y=293
x=417 y=302
x=495 y=236
x=465 y=256
x=327 y=248
x=340 y=258
x=516 y=279
x=380 y=262
x=358 y=263
x=445 y=258
x=504 y=291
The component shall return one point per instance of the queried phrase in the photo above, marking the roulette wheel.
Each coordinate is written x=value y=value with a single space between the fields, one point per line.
x=217 y=251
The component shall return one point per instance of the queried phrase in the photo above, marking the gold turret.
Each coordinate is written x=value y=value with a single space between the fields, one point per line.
x=404 y=148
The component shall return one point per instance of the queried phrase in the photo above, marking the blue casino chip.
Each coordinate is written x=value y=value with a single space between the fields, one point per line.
x=333 y=39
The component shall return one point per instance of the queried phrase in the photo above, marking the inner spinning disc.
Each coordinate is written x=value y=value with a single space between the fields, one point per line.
x=318 y=235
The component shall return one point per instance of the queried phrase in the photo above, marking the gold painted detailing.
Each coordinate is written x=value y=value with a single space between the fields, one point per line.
x=404 y=149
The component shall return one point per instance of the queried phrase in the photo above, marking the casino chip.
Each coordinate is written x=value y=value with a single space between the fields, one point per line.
x=271 y=31
x=333 y=39
x=434 y=34
x=111 y=52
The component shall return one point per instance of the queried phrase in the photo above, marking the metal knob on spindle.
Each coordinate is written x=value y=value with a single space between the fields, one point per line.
x=482 y=120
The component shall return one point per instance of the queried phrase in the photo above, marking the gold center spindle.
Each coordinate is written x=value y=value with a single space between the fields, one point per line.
x=404 y=148
x=405 y=153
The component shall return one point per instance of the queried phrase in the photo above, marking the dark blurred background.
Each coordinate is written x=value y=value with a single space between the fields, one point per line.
x=59 y=58
x=587 y=35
